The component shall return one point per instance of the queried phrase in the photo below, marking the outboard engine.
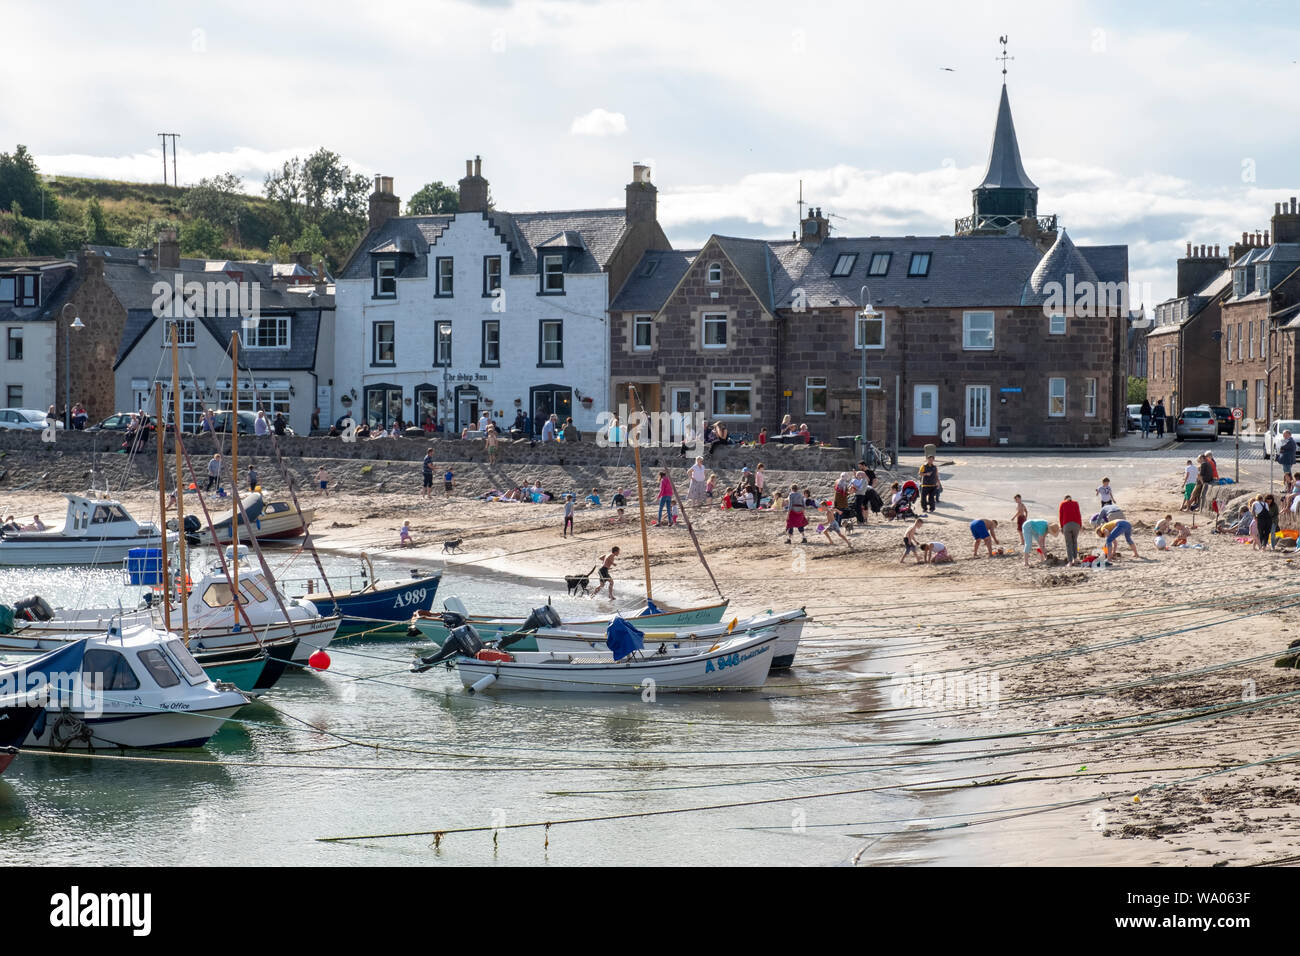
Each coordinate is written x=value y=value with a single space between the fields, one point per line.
x=463 y=640
x=543 y=616
x=34 y=608
x=451 y=620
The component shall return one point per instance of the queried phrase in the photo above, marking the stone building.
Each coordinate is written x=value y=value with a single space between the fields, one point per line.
x=1183 y=356
x=1005 y=333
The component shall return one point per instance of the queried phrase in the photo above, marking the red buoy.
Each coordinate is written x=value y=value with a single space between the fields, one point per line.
x=319 y=661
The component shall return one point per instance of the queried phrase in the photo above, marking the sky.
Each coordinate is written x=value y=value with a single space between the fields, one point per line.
x=1151 y=125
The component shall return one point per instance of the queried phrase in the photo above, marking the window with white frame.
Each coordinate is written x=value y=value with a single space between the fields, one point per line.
x=870 y=382
x=551 y=349
x=977 y=331
x=442 y=344
x=870 y=331
x=385 y=279
x=266 y=332
x=1056 y=397
x=1056 y=324
x=553 y=274
x=491 y=274
x=715 y=272
x=879 y=263
x=642 y=326
x=491 y=343
x=1250 y=340
x=844 y=264
x=715 y=330
x=185 y=328
x=732 y=399
x=815 y=393
x=1090 y=398
x=264 y=399
x=383 y=344
x=446 y=275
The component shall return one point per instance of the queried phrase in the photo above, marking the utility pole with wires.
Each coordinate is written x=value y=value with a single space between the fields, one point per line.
x=174 y=136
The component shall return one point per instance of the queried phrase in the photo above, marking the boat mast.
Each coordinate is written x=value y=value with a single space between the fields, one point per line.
x=183 y=595
x=234 y=461
x=633 y=398
x=159 y=432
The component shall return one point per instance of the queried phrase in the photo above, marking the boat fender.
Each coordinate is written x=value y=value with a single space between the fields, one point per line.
x=482 y=683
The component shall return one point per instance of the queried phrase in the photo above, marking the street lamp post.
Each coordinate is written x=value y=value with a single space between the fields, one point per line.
x=867 y=314
x=76 y=325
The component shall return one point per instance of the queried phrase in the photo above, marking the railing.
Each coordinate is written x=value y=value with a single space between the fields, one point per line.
x=969 y=224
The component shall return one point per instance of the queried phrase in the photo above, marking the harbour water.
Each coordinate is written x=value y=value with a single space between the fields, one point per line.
x=368 y=748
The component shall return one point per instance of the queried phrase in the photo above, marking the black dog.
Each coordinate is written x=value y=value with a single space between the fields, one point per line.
x=578 y=582
x=451 y=546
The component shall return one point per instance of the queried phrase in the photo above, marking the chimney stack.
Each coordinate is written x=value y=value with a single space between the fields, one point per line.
x=1286 y=222
x=815 y=228
x=473 y=188
x=642 y=198
x=384 y=205
x=1198 y=268
x=169 y=249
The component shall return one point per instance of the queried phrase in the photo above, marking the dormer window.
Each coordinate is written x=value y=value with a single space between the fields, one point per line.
x=715 y=272
x=8 y=285
x=879 y=263
x=844 y=265
x=649 y=268
x=445 y=276
x=386 y=279
x=553 y=274
x=920 y=265
x=21 y=290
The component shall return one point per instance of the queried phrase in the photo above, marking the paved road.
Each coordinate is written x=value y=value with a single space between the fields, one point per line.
x=982 y=484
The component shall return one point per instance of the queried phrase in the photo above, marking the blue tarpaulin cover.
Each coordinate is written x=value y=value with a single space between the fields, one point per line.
x=622 y=638
x=649 y=609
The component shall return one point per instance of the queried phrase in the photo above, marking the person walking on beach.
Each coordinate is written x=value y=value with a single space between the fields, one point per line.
x=1158 y=417
x=404 y=535
x=252 y=478
x=1189 y=485
x=1146 y=418
x=606 y=565
x=984 y=529
x=833 y=525
x=214 y=472
x=699 y=476
x=426 y=468
x=665 y=500
x=568 y=516
x=1274 y=520
x=1071 y=520
x=795 y=518
x=1022 y=515
x=323 y=481
x=448 y=481
x=1105 y=493
x=929 y=473
x=760 y=480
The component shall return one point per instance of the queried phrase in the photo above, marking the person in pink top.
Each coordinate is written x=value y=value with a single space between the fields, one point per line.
x=665 y=500
x=1071 y=524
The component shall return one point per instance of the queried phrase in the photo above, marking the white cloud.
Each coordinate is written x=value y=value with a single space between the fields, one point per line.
x=599 y=122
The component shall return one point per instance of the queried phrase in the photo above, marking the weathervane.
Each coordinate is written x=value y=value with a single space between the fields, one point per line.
x=1003 y=58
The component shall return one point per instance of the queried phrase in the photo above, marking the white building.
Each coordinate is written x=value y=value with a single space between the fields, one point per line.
x=32 y=294
x=442 y=318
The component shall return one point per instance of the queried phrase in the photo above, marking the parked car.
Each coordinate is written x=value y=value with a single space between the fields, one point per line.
x=115 y=423
x=24 y=419
x=1223 y=415
x=1197 y=422
x=1135 y=418
x=221 y=423
x=1273 y=437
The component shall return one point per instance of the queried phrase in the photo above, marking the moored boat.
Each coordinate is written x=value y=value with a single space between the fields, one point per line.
x=95 y=531
x=25 y=693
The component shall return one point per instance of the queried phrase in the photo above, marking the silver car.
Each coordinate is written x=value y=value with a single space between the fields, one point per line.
x=24 y=419
x=1197 y=423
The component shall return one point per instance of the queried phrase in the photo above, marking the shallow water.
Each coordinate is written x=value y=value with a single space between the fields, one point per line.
x=369 y=748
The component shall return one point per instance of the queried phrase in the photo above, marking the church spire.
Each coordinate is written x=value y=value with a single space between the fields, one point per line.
x=1005 y=171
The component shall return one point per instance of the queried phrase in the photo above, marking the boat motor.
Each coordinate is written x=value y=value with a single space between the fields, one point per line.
x=543 y=616
x=34 y=608
x=463 y=640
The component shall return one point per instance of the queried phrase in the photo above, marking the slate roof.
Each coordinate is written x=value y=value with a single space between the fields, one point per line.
x=1005 y=171
x=1197 y=302
x=591 y=235
x=647 y=293
x=133 y=285
x=56 y=286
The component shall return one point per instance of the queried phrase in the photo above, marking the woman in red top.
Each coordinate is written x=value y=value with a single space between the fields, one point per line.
x=665 y=500
x=1071 y=524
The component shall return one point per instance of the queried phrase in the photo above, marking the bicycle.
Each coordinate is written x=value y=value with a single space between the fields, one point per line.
x=879 y=459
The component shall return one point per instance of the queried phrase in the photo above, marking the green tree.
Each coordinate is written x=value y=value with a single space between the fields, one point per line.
x=1137 y=390
x=20 y=181
x=48 y=237
x=92 y=223
x=201 y=238
x=320 y=189
x=433 y=198
x=312 y=240
x=218 y=199
x=145 y=235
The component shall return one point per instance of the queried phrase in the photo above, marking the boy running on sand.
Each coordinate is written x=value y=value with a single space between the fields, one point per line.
x=323 y=481
x=1105 y=493
x=833 y=525
x=568 y=516
x=606 y=563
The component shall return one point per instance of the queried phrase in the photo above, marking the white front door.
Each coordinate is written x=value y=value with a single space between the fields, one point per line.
x=925 y=410
x=977 y=411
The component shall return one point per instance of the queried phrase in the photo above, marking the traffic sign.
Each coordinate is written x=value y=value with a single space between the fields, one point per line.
x=1237 y=414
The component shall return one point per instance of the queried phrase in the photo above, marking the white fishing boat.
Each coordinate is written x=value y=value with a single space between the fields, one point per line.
x=96 y=531
x=740 y=663
x=139 y=688
x=788 y=627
